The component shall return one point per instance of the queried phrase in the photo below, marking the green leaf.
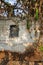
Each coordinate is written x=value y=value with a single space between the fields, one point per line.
x=36 y=14
x=41 y=48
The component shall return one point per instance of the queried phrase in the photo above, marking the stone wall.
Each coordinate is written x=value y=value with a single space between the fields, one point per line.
x=17 y=44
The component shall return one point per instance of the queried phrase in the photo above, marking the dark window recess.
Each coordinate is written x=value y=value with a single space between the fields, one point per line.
x=14 y=31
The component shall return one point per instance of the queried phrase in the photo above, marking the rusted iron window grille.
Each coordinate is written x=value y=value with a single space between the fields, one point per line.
x=14 y=31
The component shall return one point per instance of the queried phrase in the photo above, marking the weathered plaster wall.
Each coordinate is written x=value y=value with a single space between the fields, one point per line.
x=17 y=44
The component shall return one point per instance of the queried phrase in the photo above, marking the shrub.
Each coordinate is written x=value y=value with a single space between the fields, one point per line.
x=41 y=48
x=28 y=24
x=36 y=14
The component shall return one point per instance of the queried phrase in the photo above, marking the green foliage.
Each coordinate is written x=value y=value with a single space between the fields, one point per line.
x=33 y=1
x=22 y=17
x=36 y=14
x=0 y=6
x=41 y=48
x=28 y=24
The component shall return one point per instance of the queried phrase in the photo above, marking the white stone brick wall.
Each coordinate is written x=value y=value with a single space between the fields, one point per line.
x=17 y=44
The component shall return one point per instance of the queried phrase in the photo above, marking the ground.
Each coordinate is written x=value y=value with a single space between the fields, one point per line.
x=13 y=58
